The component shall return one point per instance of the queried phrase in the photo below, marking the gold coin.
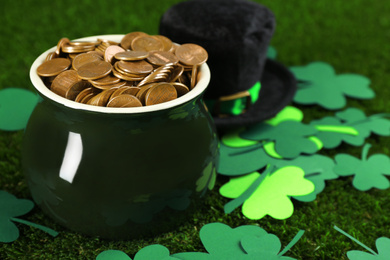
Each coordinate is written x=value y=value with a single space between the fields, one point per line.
x=83 y=43
x=147 y=43
x=191 y=54
x=102 y=98
x=160 y=58
x=125 y=90
x=85 y=92
x=131 y=55
x=115 y=85
x=176 y=73
x=94 y=70
x=123 y=75
x=76 y=88
x=67 y=48
x=107 y=80
x=143 y=91
x=168 y=45
x=194 y=75
x=160 y=93
x=84 y=58
x=60 y=43
x=51 y=55
x=128 y=39
x=124 y=100
x=135 y=67
x=53 y=67
x=111 y=51
x=64 y=81
x=181 y=89
x=161 y=74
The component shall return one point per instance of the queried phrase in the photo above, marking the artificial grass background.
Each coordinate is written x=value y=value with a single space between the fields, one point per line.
x=352 y=36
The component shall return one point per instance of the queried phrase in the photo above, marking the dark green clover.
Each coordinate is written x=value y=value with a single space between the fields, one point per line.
x=318 y=84
x=152 y=252
x=291 y=137
x=11 y=208
x=244 y=242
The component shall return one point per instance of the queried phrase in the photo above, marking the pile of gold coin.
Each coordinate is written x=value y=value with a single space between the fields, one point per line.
x=141 y=70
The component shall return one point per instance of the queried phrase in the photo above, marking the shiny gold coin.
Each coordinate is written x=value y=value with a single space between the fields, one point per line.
x=64 y=81
x=76 y=88
x=83 y=43
x=88 y=97
x=115 y=85
x=53 y=67
x=85 y=92
x=168 y=45
x=124 y=100
x=160 y=58
x=194 y=76
x=107 y=80
x=147 y=43
x=143 y=91
x=176 y=73
x=84 y=58
x=94 y=70
x=135 y=67
x=128 y=39
x=131 y=55
x=191 y=54
x=125 y=90
x=67 y=48
x=61 y=43
x=111 y=51
x=123 y=75
x=160 y=74
x=181 y=89
x=160 y=93
x=51 y=55
x=102 y=98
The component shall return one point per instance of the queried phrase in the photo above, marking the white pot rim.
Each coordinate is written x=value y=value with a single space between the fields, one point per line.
x=203 y=81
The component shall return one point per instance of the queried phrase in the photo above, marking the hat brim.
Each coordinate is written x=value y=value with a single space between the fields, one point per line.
x=278 y=87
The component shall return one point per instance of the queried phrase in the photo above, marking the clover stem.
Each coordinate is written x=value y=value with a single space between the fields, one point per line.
x=366 y=148
x=232 y=205
x=354 y=239
x=292 y=242
x=43 y=228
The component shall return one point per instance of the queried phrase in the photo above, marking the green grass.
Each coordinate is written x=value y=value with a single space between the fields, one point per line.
x=352 y=36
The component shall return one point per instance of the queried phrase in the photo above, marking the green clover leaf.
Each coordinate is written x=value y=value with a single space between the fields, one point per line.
x=291 y=137
x=208 y=178
x=12 y=207
x=267 y=194
x=319 y=84
x=16 y=106
x=382 y=245
x=244 y=242
x=317 y=168
x=368 y=172
x=157 y=252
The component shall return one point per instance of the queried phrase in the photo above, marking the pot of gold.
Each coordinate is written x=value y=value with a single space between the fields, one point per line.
x=121 y=143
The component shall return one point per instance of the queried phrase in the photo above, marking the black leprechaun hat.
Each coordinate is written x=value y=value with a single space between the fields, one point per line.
x=246 y=87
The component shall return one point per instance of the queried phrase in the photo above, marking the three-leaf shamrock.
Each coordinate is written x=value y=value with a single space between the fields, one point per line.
x=369 y=172
x=12 y=207
x=382 y=245
x=290 y=137
x=157 y=252
x=244 y=242
x=319 y=84
x=267 y=194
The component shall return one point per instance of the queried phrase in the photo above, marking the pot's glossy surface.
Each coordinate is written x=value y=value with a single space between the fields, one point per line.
x=120 y=173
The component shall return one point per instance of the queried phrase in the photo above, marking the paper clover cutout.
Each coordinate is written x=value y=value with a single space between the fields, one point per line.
x=291 y=137
x=244 y=242
x=16 y=106
x=368 y=172
x=351 y=126
x=382 y=245
x=267 y=194
x=12 y=207
x=157 y=252
x=319 y=84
